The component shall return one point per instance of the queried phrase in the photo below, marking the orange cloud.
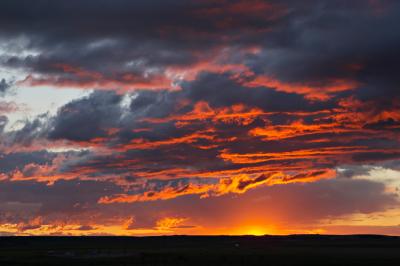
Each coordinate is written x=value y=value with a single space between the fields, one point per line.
x=237 y=114
x=237 y=184
x=170 y=223
x=290 y=155
x=311 y=91
x=188 y=139
x=296 y=129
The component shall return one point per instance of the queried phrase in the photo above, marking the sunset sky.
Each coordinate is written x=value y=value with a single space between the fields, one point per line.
x=161 y=117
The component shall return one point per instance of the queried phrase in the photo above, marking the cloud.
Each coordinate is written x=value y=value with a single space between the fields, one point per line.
x=88 y=118
x=3 y=123
x=264 y=46
x=4 y=87
x=309 y=204
x=196 y=107
x=18 y=160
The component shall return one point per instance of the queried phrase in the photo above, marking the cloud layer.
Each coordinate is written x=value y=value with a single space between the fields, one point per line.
x=201 y=116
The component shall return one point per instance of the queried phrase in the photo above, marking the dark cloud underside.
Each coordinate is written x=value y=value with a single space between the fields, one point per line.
x=191 y=102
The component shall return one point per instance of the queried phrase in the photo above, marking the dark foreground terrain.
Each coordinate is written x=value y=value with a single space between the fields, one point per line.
x=201 y=250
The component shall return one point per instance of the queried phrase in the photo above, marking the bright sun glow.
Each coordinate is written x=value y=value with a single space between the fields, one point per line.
x=255 y=231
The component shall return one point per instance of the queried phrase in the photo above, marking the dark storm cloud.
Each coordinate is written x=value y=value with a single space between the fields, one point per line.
x=64 y=197
x=93 y=116
x=138 y=145
x=31 y=131
x=87 y=118
x=220 y=90
x=119 y=17
x=18 y=160
x=120 y=41
x=129 y=44
x=338 y=40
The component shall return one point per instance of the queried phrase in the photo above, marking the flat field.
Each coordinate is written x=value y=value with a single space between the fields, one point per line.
x=201 y=250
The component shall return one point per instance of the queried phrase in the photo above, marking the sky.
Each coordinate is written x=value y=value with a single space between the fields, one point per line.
x=198 y=117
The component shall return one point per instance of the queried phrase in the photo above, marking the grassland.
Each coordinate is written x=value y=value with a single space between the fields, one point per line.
x=201 y=250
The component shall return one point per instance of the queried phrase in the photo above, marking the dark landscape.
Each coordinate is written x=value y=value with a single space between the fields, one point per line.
x=202 y=250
